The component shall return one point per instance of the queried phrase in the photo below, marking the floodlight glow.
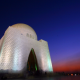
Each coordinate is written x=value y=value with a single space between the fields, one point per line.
x=15 y=49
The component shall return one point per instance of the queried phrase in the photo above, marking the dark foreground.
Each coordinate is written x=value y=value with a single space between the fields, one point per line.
x=57 y=78
x=48 y=78
x=37 y=76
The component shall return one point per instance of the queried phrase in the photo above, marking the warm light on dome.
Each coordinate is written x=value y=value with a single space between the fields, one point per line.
x=25 y=29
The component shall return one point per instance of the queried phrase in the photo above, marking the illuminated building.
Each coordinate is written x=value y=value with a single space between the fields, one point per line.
x=20 y=49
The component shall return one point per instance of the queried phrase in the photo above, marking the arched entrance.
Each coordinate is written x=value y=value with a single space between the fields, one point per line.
x=32 y=64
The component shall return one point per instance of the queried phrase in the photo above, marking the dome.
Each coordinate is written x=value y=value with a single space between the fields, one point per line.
x=25 y=30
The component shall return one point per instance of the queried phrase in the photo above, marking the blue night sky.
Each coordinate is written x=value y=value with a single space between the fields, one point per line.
x=55 y=21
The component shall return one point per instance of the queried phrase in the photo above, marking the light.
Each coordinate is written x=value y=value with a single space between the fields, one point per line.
x=75 y=74
x=36 y=67
x=71 y=74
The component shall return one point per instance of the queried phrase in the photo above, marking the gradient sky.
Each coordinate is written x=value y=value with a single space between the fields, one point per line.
x=56 y=21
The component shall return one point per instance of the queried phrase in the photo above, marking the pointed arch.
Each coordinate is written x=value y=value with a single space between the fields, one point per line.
x=32 y=64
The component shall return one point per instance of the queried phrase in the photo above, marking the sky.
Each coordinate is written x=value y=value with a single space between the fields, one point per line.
x=55 y=21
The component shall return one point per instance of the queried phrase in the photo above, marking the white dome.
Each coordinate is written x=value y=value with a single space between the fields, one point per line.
x=25 y=30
